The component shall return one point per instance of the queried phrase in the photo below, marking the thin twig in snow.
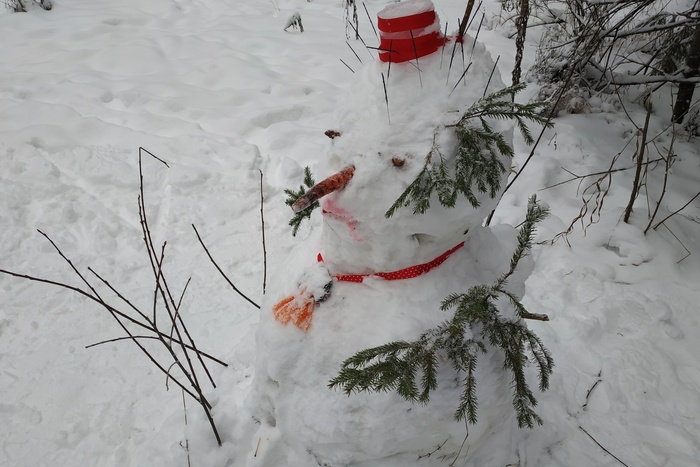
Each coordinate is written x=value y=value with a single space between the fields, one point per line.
x=460 y=79
x=415 y=53
x=493 y=70
x=386 y=98
x=343 y=62
x=676 y=211
x=262 y=229
x=602 y=447
x=353 y=51
x=222 y=272
x=371 y=23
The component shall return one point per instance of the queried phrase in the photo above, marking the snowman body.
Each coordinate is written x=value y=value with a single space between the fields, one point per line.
x=302 y=421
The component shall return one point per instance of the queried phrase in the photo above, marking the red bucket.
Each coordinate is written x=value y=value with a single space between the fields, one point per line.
x=408 y=30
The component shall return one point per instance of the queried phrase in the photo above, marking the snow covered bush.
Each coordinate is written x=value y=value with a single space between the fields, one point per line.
x=21 y=5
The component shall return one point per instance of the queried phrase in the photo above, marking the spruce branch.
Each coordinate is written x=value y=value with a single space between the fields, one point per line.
x=292 y=196
x=477 y=166
x=410 y=368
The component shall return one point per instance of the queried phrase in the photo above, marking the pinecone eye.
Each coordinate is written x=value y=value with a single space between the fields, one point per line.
x=398 y=161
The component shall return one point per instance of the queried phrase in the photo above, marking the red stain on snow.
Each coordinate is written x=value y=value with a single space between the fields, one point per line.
x=329 y=209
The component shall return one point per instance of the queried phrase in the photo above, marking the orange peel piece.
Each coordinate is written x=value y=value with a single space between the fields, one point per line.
x=296 y=309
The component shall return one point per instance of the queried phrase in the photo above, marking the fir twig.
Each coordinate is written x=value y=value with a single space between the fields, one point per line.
x=292 y=196
x=395 y=366
x=478 y=165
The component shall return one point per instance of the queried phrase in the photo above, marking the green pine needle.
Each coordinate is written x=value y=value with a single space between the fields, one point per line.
x=477 y=166
x=292 y=196
x=410 y=368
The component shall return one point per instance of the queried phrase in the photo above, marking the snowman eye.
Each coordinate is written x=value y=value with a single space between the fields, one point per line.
x=398 y=161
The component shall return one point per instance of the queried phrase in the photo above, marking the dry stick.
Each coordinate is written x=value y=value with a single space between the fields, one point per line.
x=601 y=446
x=371 y=23
x=466 y=425
x=677 y=211
x=460 y=79
x=580 y=177
x=150 y=325
x=343 y=62
x=99 y=299
x=155 y=291
x=191 y=375
x=358 y=36
x=452 y=57
x=474 y=17
x=222 y=272
x=415 y=53
x=465 y=18
x=439 y=446
x=179 y=303
x=640 y=159
x=386 y=99
x=168 y=377
x=262 y=229
x=588 y=394
x=493 y=70
x=153 y=156
x=461 y=44
x=444 y=41
x=478 y=30
x=109 y=308
x=353 y=51
x=681 y=243
x=117 y=339
x=161 y=338
x=391 y=54
x=669 y=162
x=169 y=304
x=187 y=441
x=539 y=138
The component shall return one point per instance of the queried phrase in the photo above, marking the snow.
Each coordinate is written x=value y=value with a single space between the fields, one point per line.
x=219 y=91
x=400 y=10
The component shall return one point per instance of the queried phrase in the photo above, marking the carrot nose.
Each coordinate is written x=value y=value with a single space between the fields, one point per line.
x=333 y=183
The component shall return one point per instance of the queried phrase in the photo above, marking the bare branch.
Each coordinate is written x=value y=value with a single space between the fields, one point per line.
x=221 y=271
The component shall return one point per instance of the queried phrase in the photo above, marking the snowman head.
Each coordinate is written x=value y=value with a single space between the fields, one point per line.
x=396 y=119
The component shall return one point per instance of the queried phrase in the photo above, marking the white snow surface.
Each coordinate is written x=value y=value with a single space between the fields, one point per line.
x=220 y=92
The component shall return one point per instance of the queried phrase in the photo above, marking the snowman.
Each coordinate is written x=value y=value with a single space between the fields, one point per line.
x=364 y=279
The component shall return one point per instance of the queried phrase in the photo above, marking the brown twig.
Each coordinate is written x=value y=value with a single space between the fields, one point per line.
x=590 y=391
x=187 y=441
x=602 y=447
x=221 y=271
x=640 y=159
x=535 y=316
x=669 y=162
x=162 y=286
x=262 y=229
x=108 y=307
x=175 y=318
x=677 y=211
x=604 y=172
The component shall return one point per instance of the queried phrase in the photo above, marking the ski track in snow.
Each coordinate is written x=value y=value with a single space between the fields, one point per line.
x=218 y=90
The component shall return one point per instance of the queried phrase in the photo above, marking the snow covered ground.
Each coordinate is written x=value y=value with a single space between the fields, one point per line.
x=219 y=91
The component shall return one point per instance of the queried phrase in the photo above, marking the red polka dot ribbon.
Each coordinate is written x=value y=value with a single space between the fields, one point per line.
x=406 y=273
